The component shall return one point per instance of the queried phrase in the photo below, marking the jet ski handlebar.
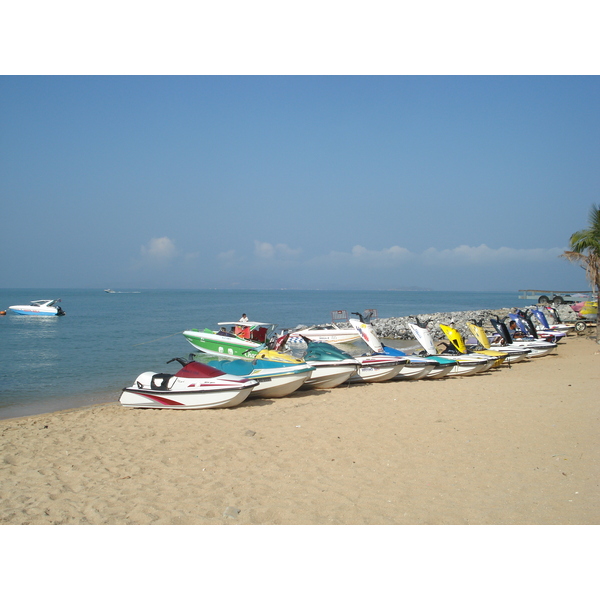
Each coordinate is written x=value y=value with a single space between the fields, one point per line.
x=181 y=361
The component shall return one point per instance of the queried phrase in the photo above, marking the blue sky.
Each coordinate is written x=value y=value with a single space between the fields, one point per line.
x=320 y=182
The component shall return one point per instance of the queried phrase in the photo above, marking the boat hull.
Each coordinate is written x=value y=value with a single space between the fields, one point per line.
x=440 y=371
x=220 y=345
x=33 y=311
x=329 y=375
x=210 y=398
x=372 y=370
x=275 y=379
x=416 y=370
x=280 y=385
x=469 y=367
x=330 y=336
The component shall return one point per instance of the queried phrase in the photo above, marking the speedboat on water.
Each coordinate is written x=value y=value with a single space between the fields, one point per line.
x=514 y=355
x=276 y=379
x=194 y=386
x=332 y=334
x=42 y=308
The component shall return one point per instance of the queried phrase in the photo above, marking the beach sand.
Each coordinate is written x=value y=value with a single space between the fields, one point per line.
x=515 y=446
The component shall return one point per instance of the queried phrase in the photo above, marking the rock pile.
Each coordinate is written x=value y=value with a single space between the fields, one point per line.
x=397 y=327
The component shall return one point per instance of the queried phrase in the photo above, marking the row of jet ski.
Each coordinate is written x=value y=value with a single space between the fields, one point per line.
x=211 y=379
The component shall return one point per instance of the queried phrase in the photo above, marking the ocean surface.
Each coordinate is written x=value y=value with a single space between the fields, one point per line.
x=106 y=340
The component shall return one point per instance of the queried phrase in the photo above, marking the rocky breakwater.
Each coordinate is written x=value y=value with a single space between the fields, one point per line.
x=397 y=327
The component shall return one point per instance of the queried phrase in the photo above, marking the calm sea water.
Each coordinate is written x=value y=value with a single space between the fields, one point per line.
x=106 y=340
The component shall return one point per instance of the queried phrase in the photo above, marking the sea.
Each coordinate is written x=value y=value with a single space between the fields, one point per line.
x=105 y=340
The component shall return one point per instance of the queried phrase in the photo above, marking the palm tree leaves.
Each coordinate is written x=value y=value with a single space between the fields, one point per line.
x=584 y=247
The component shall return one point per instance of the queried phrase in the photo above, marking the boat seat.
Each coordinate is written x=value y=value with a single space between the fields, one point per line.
x=164 y=379
x=242 y=368
x=259 y=335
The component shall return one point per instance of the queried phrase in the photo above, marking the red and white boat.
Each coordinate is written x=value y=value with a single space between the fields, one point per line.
x=195 y=385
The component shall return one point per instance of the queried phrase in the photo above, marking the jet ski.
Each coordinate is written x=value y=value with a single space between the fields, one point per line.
x=466 y=365
x=537 y=347
x=276 y=379
x=514 y=355
x=332 y=366
x=545 y=326
x=194 y=386
x=459 y=345
x=418 y=367
x=371 y=367
x=528 y=330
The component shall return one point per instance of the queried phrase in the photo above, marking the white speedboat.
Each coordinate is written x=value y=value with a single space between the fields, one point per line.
x=275 y=379
x=194 y=386
x=42 y=308
x=332 y=334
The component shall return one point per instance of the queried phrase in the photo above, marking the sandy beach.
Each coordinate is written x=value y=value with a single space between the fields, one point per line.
x=518 y=445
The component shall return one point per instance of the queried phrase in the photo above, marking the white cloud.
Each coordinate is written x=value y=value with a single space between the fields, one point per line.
x=392 y=266
x=268 y=251
x=228 y=258
x=482 y=255
x=159 y=249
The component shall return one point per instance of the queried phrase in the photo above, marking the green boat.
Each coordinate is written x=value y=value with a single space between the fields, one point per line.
x=238 y=338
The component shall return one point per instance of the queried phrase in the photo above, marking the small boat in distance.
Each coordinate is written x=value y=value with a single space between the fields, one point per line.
x=109 y=291
x=41 y=308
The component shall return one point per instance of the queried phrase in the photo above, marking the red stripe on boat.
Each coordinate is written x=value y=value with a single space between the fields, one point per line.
x=164 y=401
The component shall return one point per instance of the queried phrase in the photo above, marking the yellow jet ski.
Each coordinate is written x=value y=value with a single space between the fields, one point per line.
x=457 y=341
x=514 y=354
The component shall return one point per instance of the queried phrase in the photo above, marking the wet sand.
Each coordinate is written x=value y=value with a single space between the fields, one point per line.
x=515 y=446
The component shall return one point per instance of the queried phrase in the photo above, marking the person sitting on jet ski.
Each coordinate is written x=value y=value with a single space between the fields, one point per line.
x=514 y=330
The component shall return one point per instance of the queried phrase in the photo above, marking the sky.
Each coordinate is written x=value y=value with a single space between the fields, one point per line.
x=443 y=182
